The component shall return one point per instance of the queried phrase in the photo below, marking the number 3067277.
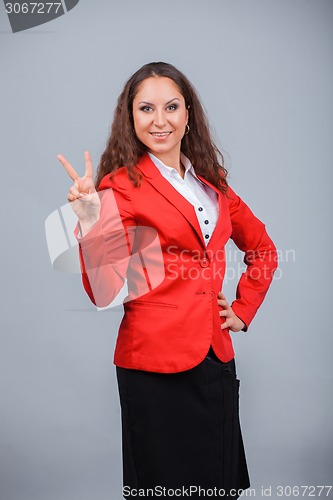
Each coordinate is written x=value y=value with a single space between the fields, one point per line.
x=32 y=7
x=302 y=491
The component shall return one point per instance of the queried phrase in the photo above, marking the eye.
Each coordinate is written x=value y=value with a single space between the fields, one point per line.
x=145 y=108
x=172 y=107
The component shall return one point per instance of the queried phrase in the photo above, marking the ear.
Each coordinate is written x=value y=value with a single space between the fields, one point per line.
x=187 y=115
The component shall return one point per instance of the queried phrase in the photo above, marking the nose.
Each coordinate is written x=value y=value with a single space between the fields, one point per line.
x=159 y=118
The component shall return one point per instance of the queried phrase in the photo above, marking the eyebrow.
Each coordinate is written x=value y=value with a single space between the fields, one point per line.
x=151 y=104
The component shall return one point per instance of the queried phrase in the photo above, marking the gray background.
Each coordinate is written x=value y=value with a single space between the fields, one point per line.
x=264 y=71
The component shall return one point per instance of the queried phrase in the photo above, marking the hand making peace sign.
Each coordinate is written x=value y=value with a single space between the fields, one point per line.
x=83 y=196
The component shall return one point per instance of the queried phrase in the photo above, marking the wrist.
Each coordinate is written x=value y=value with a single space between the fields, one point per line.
x=243 y=327
x=86 y=225
x=241 y=324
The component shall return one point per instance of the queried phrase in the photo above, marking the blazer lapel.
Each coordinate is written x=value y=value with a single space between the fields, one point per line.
x=156 y=179
x=221 y=224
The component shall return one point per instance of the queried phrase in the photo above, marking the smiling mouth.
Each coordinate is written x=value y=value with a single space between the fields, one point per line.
x=160 y=134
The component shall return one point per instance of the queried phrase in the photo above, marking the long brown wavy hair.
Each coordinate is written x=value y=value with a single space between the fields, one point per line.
x=125 y=149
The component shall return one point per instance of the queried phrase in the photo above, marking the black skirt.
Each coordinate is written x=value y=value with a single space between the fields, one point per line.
x=182 y=431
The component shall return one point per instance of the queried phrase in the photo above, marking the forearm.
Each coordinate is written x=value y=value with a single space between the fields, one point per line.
x=84 y=227
x=255 y=281
x=102 y=275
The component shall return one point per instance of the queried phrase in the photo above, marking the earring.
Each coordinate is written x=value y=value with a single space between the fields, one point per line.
x=188 y=129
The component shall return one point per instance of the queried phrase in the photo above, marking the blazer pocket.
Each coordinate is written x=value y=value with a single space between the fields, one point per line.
x=142 y=303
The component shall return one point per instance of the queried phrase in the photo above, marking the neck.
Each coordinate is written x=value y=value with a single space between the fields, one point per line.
x=172 y=160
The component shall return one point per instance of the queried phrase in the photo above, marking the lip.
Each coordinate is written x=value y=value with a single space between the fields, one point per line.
x=160 y=136
x=157 y=134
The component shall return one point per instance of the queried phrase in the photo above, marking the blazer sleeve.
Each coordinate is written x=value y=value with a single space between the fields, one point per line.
x=106 y=249
x=250 y=236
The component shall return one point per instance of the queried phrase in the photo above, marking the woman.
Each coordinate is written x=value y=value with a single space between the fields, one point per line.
x=161 y=218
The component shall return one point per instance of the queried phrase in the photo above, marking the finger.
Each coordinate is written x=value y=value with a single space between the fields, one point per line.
x=70 y=170
x=226 y=324
x=223 y=303
x=89 y=167
x=85 y=197
x=75 y=192
x=71 y=197
x=225 y=313
x=221 y=295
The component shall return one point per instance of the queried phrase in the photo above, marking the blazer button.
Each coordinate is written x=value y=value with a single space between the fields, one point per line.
x=212 y=294
x=204 y=262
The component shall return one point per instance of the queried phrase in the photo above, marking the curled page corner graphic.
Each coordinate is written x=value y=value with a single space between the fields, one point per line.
x=24 y=15
x=61 y=242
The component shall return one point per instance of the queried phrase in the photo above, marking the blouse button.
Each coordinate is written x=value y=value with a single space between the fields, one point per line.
x=206 y=221
x=206 y=236
x=200 y=209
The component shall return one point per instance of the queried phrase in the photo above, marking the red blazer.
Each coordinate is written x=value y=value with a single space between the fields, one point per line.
x=150 y=235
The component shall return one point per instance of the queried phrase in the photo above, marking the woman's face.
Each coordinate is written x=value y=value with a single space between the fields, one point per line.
x=160 y=117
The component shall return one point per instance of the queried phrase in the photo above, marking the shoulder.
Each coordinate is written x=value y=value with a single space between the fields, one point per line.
x=231 y=196
x=119 y=180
